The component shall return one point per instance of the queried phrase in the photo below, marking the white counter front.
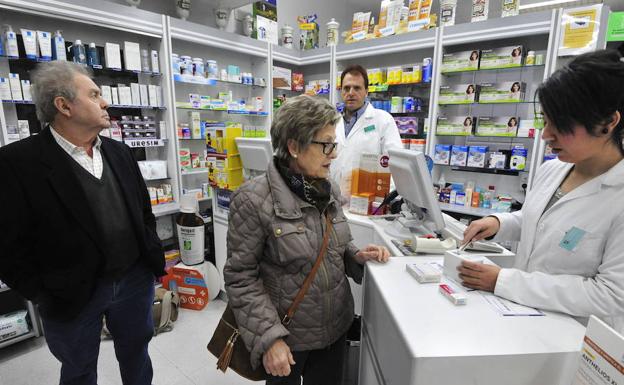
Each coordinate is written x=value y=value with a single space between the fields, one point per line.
x=413 y=335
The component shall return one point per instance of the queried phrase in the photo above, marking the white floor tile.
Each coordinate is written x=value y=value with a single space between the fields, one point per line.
x=179 y=357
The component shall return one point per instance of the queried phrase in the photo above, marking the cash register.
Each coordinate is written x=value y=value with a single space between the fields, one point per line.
x=421 y=227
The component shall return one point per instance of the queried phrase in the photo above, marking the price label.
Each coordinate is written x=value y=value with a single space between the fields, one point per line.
x=359 y=35
x=134 y=143
x=387 y=31
x=417 y=25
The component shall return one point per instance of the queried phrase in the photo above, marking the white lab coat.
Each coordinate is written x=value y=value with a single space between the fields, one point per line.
x=374 y=133
x=587 y=280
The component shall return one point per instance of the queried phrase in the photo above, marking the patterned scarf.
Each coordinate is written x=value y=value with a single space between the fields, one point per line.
x=315 y=191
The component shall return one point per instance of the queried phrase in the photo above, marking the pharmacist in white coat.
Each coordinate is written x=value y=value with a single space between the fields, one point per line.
x=362 y=129
x=570 y=257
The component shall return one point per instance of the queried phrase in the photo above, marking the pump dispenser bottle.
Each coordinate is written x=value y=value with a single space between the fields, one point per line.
x=58 y=47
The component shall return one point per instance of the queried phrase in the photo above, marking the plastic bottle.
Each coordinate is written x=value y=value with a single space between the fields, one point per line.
x=530 y=58
x=145 y=60
x=78 y=51
x=332 y=32
x=93 y=57
x=442 y=181
x=190 y=228
x=58 y=47
x=476 y=198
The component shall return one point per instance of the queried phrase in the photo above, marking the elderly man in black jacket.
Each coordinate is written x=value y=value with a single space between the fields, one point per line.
x=78 y=234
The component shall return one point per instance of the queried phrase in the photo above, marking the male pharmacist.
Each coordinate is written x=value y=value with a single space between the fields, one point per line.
x=362 y=129
x=78 y=234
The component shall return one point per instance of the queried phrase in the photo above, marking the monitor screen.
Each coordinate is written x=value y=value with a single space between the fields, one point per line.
x=256 y=153
x=413 y=182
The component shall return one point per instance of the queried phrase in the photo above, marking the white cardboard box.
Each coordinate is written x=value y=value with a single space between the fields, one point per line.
x=132 y=56
x=112 y=56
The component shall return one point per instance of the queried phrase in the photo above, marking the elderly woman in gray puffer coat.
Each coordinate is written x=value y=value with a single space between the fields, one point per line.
x=276 y=229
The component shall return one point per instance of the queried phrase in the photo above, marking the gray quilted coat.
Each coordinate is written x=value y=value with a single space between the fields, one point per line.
x=273 y=240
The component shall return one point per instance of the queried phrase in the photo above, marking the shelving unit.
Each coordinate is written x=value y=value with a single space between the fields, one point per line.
x=250 y=56
x=402 y=51
x=315 y=65
x=111 y=23
x=536 y=32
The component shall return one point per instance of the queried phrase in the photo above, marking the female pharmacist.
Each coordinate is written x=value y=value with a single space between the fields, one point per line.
x=570 y=257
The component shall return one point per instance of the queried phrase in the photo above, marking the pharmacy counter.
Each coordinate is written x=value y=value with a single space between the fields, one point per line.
x=411 y=334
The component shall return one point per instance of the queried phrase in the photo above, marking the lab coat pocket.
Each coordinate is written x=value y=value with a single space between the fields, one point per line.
x=582 y=258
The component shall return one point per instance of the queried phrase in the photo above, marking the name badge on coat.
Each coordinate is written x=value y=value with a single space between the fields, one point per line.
x=572 y=238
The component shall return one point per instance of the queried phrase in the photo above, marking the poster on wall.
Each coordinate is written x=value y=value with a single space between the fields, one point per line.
x=265 y=16
x=602 y=356
x=579 y=30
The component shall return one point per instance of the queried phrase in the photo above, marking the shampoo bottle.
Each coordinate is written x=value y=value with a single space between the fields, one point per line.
x=58 y=47
x=78 y=51
x=10 y=39
x=93 y=57
x=190 y=228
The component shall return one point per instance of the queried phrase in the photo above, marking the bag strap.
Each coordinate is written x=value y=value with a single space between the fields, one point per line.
x=308 y=281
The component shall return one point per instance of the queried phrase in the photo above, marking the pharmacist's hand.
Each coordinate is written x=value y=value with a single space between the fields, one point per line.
x=481 y=229
x=478 y=276
x=278 y=358
x=372 y=253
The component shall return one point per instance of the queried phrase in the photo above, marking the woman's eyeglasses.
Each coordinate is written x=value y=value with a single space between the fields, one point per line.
x=328 y=147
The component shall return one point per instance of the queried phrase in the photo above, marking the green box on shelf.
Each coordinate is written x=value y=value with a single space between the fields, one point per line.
x=504 y=57
x=457 y=94
x=506 y=126
x=460 y=61
x=455 y=126
x=504 y=92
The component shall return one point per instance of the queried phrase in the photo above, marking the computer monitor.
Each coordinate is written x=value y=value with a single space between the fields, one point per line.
x=256 y=153
x=413 y=182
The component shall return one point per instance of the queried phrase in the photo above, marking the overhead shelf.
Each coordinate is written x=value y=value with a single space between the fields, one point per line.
x=165 y=209
x=467 y=210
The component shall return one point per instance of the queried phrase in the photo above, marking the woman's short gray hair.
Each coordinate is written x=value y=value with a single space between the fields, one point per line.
x=299 y=119
x=51 y=80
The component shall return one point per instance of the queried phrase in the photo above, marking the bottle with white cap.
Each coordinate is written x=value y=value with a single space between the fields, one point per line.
x=190 y=228
x=332 y=32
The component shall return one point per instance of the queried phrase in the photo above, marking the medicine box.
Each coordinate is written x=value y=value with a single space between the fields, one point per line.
x=16 y=86
x=455 y=125
x=282 y=78
x=424 y=272
x=518 y=158
x=504 y=57
x=460 y=61
x=504 y=92
x=457 y=94
x=407 y=125
x=477 y=156
x=459 y=155
x=497 y=126
x=5 y=89
x=497 y=160
x=454 y=258
x=442 y=154
x=13 y=324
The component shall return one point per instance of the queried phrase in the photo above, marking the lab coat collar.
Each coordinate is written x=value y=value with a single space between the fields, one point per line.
x=363 y=121
x=613 y=177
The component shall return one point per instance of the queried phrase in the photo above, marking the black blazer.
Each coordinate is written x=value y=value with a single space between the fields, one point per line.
x=50 y=251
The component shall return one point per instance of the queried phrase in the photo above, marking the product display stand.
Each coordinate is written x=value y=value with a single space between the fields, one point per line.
x=233 y=56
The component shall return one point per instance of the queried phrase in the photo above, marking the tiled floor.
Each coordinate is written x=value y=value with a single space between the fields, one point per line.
x=179 y=357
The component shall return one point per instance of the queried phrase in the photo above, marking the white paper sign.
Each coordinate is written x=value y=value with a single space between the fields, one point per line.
x=267 y=29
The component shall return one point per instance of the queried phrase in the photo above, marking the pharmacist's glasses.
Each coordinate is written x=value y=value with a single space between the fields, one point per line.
x=328 y=147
